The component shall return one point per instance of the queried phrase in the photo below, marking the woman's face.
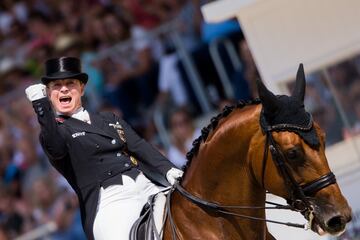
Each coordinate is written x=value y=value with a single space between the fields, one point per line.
x=65 y=95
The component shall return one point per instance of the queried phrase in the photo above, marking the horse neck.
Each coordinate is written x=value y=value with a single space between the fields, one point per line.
x=221 y=171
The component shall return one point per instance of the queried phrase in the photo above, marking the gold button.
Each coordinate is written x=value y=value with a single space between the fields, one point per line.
x=133 y=160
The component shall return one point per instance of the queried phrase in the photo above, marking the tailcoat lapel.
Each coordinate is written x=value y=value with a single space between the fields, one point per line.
x=99 y=123
x=97 y=126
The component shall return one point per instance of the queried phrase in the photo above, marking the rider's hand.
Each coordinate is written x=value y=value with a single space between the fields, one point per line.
x=173 y=174
x=35 y=92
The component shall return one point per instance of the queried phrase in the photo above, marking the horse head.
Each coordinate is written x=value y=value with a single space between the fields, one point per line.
x=296 y=167
x=237 y=158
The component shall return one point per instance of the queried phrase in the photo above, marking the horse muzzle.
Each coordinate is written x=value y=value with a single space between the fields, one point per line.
x=325 y=218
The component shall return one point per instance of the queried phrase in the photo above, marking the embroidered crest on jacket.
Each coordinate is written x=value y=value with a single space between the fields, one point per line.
x=119 y=130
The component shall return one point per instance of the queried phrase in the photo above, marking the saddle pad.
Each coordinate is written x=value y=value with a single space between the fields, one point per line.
x=151 y=217
x=159 y=208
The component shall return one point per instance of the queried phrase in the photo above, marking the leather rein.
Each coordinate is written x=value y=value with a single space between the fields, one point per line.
x=298 y=193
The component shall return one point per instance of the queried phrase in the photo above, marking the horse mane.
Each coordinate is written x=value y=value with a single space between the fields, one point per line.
x=212 y=126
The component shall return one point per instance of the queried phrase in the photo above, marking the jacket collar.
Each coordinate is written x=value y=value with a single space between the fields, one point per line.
x=97 y=126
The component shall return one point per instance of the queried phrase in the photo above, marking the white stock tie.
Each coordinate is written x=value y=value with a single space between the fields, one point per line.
x=82 y=115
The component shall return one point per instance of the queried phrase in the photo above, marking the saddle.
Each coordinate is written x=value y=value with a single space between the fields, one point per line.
x=150 y=223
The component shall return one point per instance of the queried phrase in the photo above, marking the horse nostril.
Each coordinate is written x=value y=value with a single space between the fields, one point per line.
x=336 y=223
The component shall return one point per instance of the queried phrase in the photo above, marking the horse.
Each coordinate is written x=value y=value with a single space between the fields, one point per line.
x=270 y=144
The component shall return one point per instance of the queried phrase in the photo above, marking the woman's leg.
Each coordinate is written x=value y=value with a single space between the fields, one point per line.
x=120 y=206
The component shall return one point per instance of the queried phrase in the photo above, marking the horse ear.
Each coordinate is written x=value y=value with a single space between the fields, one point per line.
x=299 y=90
x=268 y=99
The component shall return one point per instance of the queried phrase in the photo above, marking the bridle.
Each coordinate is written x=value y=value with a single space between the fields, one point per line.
x=299 y=194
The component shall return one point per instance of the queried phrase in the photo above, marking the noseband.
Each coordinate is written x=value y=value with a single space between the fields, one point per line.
x=298 y=193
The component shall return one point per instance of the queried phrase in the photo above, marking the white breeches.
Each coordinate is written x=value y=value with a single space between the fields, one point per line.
x=120 y=205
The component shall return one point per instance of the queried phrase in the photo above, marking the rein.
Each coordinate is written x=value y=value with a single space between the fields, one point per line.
x=223 y=209
x=298 y=193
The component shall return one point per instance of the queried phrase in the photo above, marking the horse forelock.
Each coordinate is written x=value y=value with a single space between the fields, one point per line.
x=214 y=122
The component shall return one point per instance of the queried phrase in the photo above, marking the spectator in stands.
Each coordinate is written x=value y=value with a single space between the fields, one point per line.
x=5 y=139
x=3 y=232
x=356 y=126
x=250 y=71
x=343 y=76
x=241 y=85
x=43 y=195
x=170 y=81
x=325 y=114
x=60 y=208
x=183 y=133
x=141 y=12
x=9 y=218
x=15 y=43
x=12 y=74
x=130 y=76
x=40 y=31
x=354 y=99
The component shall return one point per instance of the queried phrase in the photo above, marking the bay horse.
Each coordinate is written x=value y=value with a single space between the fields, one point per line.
x=270 y=144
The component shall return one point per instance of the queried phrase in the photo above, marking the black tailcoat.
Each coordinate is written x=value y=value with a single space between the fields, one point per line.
x=91 y=156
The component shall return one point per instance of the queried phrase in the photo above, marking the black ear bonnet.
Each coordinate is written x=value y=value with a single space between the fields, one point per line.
x=287 y=113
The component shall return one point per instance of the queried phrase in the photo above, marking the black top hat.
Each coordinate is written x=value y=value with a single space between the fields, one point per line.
x=63 y=68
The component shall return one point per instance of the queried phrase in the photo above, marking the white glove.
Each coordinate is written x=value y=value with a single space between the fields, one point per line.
x=35 y=92
x=173 y=174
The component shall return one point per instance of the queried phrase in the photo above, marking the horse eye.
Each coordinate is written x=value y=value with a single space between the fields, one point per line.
x=292 y=154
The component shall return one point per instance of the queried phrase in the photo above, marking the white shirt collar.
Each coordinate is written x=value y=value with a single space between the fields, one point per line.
x=80 y=114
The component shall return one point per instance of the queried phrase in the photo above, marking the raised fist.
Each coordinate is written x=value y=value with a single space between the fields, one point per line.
x=35 y=92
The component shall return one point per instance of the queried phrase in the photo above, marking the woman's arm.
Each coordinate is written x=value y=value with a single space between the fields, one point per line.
x=51 y=139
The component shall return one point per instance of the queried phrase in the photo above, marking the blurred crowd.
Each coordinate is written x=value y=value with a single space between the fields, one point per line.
x=128 y=50
x=345 y=80
x=133 y=66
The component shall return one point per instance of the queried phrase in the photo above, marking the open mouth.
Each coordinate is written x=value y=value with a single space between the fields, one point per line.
x=331 y=228
x=317 y=228
x=64 y=100
x=313 y=224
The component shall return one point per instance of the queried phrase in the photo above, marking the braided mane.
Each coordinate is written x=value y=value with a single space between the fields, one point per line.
x=213 y=124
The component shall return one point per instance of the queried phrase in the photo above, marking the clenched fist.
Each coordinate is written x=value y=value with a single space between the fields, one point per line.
x=35 y=92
